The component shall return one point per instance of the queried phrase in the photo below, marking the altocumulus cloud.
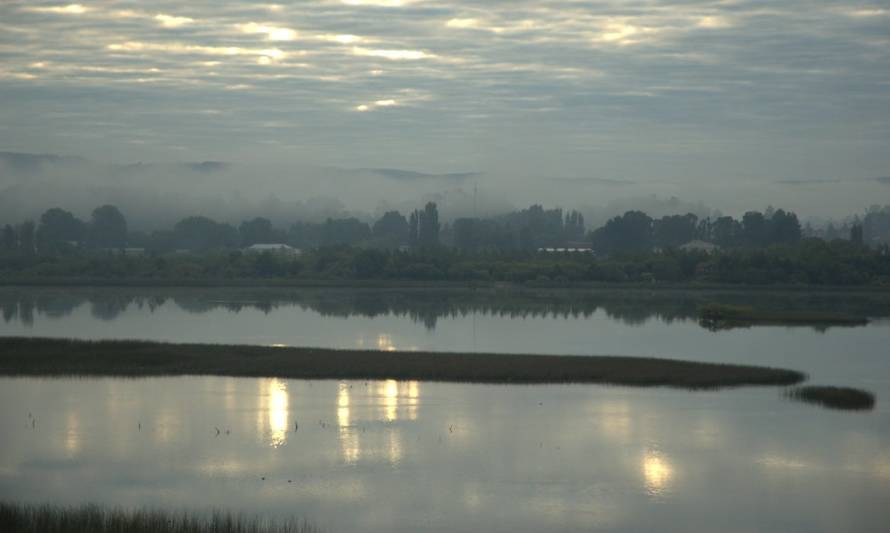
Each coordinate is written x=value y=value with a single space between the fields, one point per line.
x=696 y=91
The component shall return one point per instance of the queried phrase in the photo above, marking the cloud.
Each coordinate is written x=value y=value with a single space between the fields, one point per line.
x=70 y=9
x=868 y=13
x=705 y=91
x=272 y=33
x=171 y=21
x=389 y=102
x=379 y=3
x=395 y=55
x=714 y=22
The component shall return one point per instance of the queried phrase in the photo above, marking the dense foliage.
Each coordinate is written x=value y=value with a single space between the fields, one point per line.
x=760 y=248
x=811 y=261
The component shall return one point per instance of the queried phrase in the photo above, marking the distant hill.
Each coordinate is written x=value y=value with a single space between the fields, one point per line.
x=410 y=175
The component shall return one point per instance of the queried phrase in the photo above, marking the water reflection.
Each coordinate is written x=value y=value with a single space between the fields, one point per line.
x=632 y=307
x=384 y=343
x=657 y=473
x=343 y=406
x=615 y=421
x=72 y=434
x=389 y=391
x=475 y=457
x=274 y=411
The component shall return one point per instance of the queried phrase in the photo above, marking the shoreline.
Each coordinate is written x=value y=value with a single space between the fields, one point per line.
x=24 y=356
x=722 y=316
x=427 y=284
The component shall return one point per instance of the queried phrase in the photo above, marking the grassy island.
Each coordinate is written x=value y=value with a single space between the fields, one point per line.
x=834 y=397
x=62 y=357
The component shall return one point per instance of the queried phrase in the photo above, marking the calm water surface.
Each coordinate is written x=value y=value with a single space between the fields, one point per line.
x=410 y=456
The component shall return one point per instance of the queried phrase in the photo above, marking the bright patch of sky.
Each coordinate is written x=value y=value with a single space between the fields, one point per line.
x=698 y=92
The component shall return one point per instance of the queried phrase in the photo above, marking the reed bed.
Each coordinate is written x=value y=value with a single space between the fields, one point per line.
x=59 y=357
x=834 y=397
x=30 y=518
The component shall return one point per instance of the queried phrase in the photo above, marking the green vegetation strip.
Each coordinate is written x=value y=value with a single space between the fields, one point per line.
x=750 y=315
x=834 y=397
x=25 y=518
x=57 y=357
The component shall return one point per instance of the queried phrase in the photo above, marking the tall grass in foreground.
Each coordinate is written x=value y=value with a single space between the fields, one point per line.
x=28 y=518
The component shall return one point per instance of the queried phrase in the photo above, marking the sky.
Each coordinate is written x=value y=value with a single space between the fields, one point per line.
x=729 y=102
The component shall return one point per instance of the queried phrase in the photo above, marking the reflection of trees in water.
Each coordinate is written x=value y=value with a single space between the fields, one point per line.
x=632 y=307
x=109 y=308
x=26 y=312
x=192 y=304
x=10 y=310
x=56 y=306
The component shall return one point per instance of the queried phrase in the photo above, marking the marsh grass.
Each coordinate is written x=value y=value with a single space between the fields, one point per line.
x=60 y=357
x=717 y=316
x=28 y=518
x=834 y=397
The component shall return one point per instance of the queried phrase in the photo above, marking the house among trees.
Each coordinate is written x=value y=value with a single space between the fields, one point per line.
x=699 y=245
x=275 y=248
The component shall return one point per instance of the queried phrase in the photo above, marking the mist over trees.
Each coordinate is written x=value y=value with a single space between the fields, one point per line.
x=524 y=246
x=636 y=231
x=527 y=229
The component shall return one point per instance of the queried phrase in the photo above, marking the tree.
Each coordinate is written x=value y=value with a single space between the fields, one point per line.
x=573 y=229
x=108 y=227
x=26 y=238
x=784 y=228
x=256 y=231
x=413 y=228
x=726 y=232
x=464 y=233
x=755 y=232
x=428 y=227
x=202 y=233
x=58 y=228
x=526 y=242
x=10 y=238
x=370 y=263
x=856 y=234
x=391 y=229
x=630 y=232
x=305 y=235
x=344 y=231
x=674 y=230
x=546 y=227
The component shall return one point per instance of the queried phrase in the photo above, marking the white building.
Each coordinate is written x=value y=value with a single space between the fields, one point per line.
x=275 y=248
x=580 y=250
x=699 y=246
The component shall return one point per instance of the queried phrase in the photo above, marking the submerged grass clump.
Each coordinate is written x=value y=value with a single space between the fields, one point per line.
x=834 y=397
x=29 y=518
x=54 y=357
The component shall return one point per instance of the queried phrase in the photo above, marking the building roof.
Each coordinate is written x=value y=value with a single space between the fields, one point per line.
x=269 y=246
x=699 y=244
x=272 y=247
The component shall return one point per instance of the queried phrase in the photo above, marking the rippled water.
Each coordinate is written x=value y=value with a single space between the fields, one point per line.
x=410 y=456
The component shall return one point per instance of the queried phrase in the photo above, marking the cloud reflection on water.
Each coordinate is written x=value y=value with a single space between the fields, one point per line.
x=409 y=456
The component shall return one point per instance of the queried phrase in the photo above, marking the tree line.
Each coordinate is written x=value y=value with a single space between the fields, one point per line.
x=58 y=231
x=759 y=248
